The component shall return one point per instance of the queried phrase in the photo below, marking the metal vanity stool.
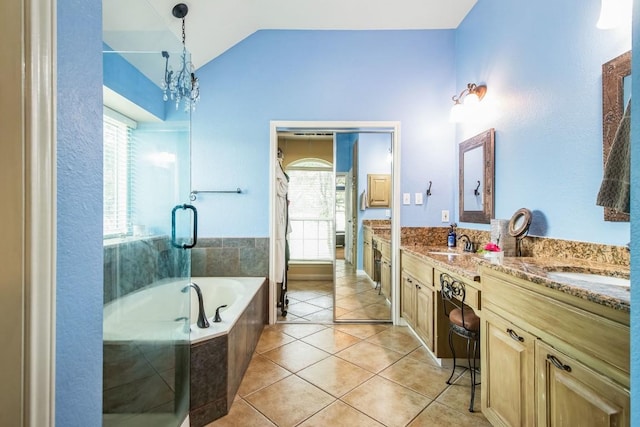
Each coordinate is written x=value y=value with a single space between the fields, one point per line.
x=463 y=322
x=377 y=265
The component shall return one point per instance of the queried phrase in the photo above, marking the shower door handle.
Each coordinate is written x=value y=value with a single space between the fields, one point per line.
x=194 y=240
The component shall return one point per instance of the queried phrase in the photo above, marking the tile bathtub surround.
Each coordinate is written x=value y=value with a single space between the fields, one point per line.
x=230 y=257
x=382 y=377
x=132 y=264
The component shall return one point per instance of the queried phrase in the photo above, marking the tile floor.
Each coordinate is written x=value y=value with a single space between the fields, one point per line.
x=356 y=298
x=305 y=374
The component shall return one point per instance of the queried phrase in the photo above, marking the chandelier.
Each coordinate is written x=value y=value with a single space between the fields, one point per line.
x=180 y=86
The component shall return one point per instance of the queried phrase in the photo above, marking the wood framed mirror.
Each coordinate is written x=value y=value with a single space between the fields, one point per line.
x=616 y=90
x=476 y=178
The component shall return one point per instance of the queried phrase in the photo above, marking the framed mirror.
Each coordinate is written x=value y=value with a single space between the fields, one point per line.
x=616 y=91
x=476 y=178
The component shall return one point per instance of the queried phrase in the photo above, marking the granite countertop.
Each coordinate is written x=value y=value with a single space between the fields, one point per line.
x=462 y=263
x=537 y=270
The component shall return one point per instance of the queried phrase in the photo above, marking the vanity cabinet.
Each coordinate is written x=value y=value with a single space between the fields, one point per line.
x=508 y=357
x=367 y=252
x=570 y=391
x=550 y=358
x=417 y=297
x=385 y=266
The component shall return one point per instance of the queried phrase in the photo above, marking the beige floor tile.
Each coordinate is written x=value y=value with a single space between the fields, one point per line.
x=397 y=338
x=300 y=330
x=335 y=375
x=303 y=309
x=361 y=331
x=458 y=396
x=423 y=378
x=340 y=414
x=438 y=415
x=324 y=301
x=322 y=316
x=351 y=302
x=303 y=295
x=296 y=355
x=290 y=401
x=371 y=357
x=261 y=372
x=271 y=339
x=422 y=354
x=242 y=415
x=331 y=340
x=386 y=401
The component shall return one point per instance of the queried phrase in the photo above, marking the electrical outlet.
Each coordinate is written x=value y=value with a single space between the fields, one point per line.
x=445 y=216
x=418 y=198
x=406 y=198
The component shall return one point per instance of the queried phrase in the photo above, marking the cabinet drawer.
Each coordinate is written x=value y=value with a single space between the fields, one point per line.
x=417 y=268
x=598 y=340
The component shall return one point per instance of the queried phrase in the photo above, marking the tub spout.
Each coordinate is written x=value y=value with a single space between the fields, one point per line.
x=202 y=317
x=217 y=317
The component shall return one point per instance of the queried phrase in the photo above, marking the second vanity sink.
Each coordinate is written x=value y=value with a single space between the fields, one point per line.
x=588 y=277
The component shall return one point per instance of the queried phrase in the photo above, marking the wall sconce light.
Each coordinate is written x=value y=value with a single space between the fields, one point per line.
x=467 y=100
x=614 y=13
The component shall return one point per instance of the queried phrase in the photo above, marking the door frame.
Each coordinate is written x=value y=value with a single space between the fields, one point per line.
x=29 y=31
x=342 y=127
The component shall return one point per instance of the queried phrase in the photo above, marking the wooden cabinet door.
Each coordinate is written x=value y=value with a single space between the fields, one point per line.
x=508 y=366
x=379 y=190
x=367 y=258
x=408 y=299
x=424 y=313
x=385 y=278
x=571 y=394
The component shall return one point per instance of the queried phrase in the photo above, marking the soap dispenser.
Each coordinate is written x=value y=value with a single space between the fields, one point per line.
x=451 y=237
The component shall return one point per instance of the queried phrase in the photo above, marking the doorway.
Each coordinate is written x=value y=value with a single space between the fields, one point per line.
x=339 y=267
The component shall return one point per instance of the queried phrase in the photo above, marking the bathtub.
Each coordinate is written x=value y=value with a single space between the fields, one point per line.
x=154 y=320
x=157 y=312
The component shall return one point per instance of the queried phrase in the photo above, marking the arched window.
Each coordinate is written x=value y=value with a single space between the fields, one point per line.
x=311 y=210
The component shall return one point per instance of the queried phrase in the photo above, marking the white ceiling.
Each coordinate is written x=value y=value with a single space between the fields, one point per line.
x=213 y=26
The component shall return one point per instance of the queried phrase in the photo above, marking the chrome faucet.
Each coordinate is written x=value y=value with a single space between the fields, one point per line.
x=468 y=245
x=202 y=317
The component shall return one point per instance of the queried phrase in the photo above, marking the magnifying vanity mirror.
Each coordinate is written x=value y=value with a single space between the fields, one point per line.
x=616 y=92
x=476 y=179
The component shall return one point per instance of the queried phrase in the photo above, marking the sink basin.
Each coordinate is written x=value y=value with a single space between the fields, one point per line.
x=588 y=277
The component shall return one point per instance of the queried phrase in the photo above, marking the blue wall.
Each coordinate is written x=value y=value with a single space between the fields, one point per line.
x=542 y=64
x=79 y=214
x=319 y=75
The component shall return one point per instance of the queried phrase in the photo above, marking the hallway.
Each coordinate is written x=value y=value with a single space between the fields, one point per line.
x=356 y=298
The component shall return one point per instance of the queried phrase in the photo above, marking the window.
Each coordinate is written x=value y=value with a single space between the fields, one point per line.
x=311 y=196
x=116 y=165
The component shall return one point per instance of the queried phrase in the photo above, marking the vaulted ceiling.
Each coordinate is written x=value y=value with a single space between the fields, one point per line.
x=213 y=26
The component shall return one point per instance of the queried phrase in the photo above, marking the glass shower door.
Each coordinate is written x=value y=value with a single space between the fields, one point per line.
x=149 y=228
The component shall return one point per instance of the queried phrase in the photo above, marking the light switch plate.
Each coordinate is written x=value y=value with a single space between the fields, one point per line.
x=445 y=216
x=406 y=198
x=418 y=198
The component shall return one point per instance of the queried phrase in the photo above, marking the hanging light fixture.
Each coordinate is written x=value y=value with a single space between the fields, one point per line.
x=464 y=103
x=183 y=85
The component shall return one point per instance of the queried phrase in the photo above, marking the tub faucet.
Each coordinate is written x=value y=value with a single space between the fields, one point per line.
x=202 y=317
x=468 y=244
x=217 y=317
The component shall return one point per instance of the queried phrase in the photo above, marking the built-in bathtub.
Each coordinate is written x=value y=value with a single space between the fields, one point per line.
x=149 y=326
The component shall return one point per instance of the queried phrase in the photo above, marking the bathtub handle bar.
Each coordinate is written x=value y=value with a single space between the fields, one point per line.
x=194 y=240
